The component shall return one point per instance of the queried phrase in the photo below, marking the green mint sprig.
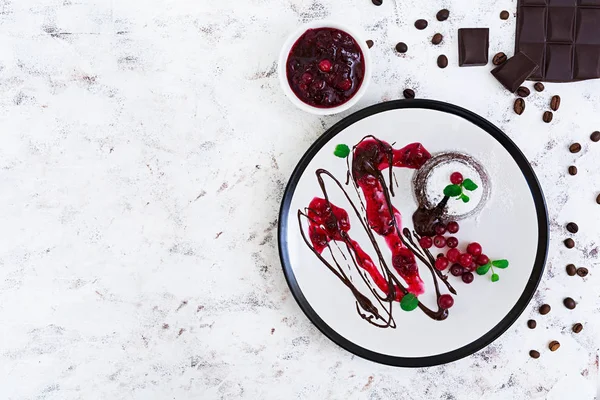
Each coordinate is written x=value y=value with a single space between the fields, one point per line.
x=482 y=270
x=458 y=191
x=409 y=302
x=341 y=151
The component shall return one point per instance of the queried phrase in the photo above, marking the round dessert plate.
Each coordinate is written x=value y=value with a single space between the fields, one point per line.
x=512 y=225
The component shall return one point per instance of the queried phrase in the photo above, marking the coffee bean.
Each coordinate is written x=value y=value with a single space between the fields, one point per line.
x=421 y=24
x=571 y=270
x=523 y=91
x=437 y=38
x=409 y=94
x=547 y=117
x=499 y=58
x=554 y=345
x=555 y=103
x=575 y=148
x=582 y=271
x=544 y=309
x=519 y=106
x=572 y=170
x=401 y=47
x=595 y=136
x=570 y=243
x=377 y=2
x=572 y=227
x=569 y=303
x=534 y=354
x=577 y=327
x=598 y=199
x=370 y=43
x=504 y=15
x=539 y=86
x=442 y=61
x=531 y=324
x=442 y=15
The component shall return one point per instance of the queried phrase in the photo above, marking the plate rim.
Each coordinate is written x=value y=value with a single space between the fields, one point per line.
x=533 y=281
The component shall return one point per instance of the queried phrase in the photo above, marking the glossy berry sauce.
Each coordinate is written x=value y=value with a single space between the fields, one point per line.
x=325 y=67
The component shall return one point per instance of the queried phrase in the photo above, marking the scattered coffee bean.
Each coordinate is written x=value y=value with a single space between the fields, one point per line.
x=569 y=243
x=519 y=106
x=523 y=91
x=442 y=61
x=582 y=271
x=401 y=47
x=370 y=43
x=572 y=170
x=547 y=117
x=555 y=103
x=545 y=309
x=572 y=227
x=595 y=136
x=534 y=354
x=437 y=38
x=409 y=94
x=569 y=303
x=598 y=199
x=377 y=2
x=504 y=15
x=499 y=58
x=571 y=270
x=539 y=86
x=575 y=148
x=554 y=345
x=442 y=15
x=577 y=327
x=531 y=324
x=421 y=24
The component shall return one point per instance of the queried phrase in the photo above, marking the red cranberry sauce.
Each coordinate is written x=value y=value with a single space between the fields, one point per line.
x=325 y=67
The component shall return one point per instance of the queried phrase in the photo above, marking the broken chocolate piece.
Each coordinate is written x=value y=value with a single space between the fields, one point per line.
x=473 y=46
x=514 y=71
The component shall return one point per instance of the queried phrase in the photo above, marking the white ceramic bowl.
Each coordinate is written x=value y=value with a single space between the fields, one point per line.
x=285 y=51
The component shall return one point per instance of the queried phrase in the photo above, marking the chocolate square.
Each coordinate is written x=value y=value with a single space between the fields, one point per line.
x=473 y=46
x=536 y=52
x=589 y=3
x=588 y=26
x=514 y=71
x=562 y=3
x=558 y=61
x=531 y=24
x=587 y=61
x=561 y=24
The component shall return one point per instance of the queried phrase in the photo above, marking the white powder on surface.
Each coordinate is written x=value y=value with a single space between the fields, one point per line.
x=439 y=178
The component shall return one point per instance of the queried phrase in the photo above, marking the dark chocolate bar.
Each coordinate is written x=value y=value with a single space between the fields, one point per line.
x=514 y=71
x=473 y=46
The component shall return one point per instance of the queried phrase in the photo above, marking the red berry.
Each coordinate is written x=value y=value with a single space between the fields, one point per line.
x=325 y=65
x=468 y=277
x=465 y=260
x=445 y=301
x=426 y=242
x=344 y=85
x=439 y=255
x=440 y=228
x=453 y=227
x=474 y=249
x=472 y=267
x=456 y=178
x=441 y=263
x=451 y=242
x=439 y=242
x=482 y=259
x=457 y=270
x=307 y=78
x=453 y=255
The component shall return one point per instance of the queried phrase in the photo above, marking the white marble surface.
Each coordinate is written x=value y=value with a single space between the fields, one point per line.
x=144 y=149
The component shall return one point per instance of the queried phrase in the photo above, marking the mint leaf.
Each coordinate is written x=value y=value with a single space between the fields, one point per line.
x=500 y=264
x=452 y=190
x=469 y=185
x=483 y=269
x=341 y=151
x=409 y=302
x=464 y=198
x=495 y=278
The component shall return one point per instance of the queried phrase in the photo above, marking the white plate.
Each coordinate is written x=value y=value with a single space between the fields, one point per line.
x=513 y=225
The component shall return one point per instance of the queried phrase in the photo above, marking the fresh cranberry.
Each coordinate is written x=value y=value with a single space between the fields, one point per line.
x=452 y=227
x=344 y=85
x=439 y=242
x=465 y=260
x=468 y=277
x=440 y=228
x=445 y=301
x=474 y=249
x=307 y=78
x=451 y=242
x=456 y=178
x=457 y=270
x=404 y=262
x=426 y=242
x=482 y=259
x=439 y=255
x=441 y=263
x=325 y=65
x=453 y=254
x=472 y=267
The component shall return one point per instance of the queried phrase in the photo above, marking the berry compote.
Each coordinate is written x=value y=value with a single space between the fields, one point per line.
x=325 y=67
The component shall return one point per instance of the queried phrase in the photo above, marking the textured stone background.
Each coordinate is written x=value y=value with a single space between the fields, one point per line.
x=144 y=150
